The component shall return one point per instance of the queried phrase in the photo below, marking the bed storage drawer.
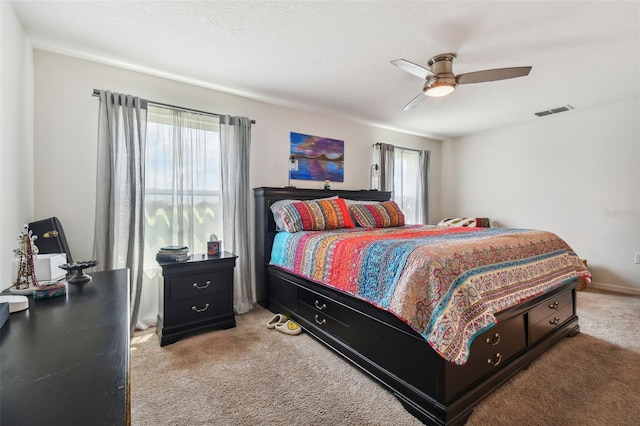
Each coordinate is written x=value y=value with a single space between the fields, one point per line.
x=549 y=314
x=550 y=306
x=489 y=351
x=319 y=304
x=324 y=313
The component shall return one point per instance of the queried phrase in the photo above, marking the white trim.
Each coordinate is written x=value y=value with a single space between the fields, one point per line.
x=615 y=288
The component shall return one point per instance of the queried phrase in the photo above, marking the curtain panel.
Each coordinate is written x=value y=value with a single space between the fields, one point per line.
x=422 y=195
x=386 y=161
x=119 y=215
x=235 y=148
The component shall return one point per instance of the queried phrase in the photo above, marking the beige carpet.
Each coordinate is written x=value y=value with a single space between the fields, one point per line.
x=250 y=375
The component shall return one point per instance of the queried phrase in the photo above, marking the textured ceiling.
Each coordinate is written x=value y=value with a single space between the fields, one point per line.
x=332 y=57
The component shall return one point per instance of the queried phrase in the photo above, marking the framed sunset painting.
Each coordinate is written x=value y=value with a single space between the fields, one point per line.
x=318 y=158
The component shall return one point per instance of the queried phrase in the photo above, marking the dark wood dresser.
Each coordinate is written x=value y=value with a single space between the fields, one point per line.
x=197 y=295
x=65 y=360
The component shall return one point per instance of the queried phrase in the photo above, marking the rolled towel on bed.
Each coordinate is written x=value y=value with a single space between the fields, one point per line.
x=471 y=222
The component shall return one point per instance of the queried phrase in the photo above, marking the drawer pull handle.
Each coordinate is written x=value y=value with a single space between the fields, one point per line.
x=200 y=287
x=498 y=360
x=319 y=306
x=494 y=340
x=323 y=322
x=193 y=308
x=555 y=321
x=554 y=305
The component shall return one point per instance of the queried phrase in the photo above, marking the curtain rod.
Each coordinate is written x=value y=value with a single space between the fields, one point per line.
x=400 y=147
x=96 y=92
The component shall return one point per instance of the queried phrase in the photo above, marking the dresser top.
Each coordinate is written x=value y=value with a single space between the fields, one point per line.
x=65 y=360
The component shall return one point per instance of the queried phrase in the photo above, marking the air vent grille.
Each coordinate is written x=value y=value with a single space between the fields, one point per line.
x=554 y=111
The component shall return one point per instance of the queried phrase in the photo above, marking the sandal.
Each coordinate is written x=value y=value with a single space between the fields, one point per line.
x=289 y=327
x=277 y=319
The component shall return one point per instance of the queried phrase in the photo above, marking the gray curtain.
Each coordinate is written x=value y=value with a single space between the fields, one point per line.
x=235 y=143
x=119 y=216
x=422 y=199
x=386 y=160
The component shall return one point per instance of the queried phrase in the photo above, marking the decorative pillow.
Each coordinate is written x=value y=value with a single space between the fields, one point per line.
x=352 y=202
x=316 y=215
x=378 y=215
x=275 y=208
x=471 y=222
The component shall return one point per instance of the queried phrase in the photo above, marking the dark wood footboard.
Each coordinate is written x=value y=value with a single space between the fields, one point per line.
x=432 y=389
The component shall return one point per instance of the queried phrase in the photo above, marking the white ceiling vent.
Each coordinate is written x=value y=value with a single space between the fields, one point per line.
x=554 y=111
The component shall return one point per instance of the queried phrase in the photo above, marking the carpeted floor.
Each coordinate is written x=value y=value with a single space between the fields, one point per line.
x=250 y=375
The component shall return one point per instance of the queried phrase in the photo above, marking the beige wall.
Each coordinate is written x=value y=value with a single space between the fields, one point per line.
x=576 y=174
x=16 y=136
x=66 y=127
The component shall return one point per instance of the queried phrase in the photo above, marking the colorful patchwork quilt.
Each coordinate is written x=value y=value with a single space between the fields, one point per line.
x=446 y=283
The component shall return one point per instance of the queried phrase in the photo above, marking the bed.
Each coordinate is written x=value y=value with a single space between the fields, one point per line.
x=438 y=375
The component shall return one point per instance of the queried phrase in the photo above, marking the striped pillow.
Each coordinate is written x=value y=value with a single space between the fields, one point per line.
x=378 y=215
x=316 y=215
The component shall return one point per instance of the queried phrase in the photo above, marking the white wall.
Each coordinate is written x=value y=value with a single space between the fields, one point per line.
x=66 y=117
x=575 y=174
x=16 y=136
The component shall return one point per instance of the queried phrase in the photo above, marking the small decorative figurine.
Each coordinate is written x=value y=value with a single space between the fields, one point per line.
x=327 y=184
x=27 y=251
x=26 y=281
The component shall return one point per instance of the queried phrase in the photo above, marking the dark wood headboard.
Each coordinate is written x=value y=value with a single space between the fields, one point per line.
x=265 y=229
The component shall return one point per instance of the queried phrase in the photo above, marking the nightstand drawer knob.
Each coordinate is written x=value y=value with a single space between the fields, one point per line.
x=319 y=306
x=193 y=308
x=554 y=305
x=555 y=321
x=200 y=287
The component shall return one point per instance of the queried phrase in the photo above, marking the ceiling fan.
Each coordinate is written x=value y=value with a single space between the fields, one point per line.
x=441 y=81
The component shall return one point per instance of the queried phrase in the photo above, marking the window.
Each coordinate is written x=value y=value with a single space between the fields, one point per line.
x=183 y=203
x=406 y=183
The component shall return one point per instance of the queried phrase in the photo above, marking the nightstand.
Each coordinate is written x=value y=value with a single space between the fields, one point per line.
x=197 y=295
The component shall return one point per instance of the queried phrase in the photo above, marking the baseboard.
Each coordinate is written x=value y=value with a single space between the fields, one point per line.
x=614 y=288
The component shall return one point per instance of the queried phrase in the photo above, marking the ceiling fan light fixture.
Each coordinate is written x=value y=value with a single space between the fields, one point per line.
x=439 y=86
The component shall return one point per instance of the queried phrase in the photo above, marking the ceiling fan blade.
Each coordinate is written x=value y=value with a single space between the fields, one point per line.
x=492 y=75
x=415 y=101
x=412 y=68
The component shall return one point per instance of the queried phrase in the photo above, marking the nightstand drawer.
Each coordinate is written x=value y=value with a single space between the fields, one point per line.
x=189 y=286
x=202 y=308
